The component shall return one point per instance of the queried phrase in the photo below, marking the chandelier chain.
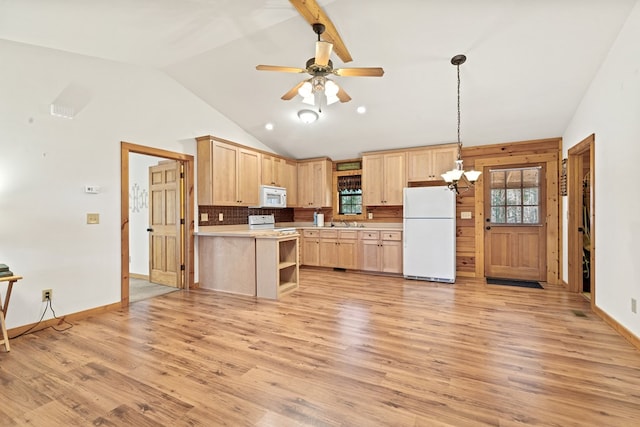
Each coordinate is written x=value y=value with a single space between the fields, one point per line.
x=459 y=142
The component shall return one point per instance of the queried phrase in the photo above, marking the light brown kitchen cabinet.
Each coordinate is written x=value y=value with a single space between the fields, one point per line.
x=310 y=247
x=228 y=175
x=383 y=178
x=429 y=163
x=381 y=251
x=272 y=170
x=314 y=183
x=339 y=248
x=290 y=181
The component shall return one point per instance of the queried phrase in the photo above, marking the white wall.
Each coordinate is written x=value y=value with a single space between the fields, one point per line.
x=611 y=110
x=45 y=162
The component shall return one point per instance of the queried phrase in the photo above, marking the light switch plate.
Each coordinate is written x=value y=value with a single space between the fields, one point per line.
x=204 y=217
x=465 y=215
x=220 y=216
x=93 y=218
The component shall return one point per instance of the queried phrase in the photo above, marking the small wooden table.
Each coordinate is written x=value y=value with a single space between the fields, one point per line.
x=3 y=308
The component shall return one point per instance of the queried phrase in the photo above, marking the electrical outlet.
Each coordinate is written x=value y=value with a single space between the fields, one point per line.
x=204 y=217
x=370 y=215
x=220 y=216
x=47 y=294
x=634 y=306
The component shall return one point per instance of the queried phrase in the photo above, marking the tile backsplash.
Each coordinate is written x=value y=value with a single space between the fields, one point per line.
x=232 y=215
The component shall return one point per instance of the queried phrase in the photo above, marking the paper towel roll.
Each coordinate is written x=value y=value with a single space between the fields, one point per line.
x=320 y=220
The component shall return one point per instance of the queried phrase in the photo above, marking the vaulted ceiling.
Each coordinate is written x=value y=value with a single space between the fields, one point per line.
x=529 y=62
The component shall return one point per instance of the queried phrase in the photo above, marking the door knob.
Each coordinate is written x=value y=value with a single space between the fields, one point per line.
x=581 y=230
x=487 y=227
x=149 y=229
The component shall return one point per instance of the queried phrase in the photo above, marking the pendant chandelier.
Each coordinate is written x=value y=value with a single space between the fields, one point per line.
x=458 y=175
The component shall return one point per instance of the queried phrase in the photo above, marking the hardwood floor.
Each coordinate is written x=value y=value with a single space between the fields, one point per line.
x=345 y=349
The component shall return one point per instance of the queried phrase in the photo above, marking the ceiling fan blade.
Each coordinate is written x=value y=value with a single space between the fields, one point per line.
x=313 y=14
x=359 y=72
x=279 y=68
x=293 y=91
x=342 y=95
x=323 y=52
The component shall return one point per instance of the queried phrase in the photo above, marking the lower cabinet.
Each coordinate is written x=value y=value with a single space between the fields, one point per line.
x=311 y=247
x=339 y=248
x=381 y=251
x=374 y=250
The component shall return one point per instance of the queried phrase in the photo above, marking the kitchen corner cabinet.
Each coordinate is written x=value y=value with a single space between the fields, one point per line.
x=276 y=266
x=228 y=175
x=290 y=181
x=428 y=164
x=314 y=183
x=381 y=251
x=383 y=178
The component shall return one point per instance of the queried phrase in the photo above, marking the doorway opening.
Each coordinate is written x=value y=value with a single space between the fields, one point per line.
x=182 y=242
x=581 y=224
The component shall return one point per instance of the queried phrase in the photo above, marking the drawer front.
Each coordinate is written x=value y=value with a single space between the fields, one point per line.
x=311 y=233
x=329 y=234
x=348 y=234
x=392 y=235
x=370 y=235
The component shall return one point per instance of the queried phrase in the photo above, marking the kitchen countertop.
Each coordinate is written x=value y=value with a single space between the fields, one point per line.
x=242 y=230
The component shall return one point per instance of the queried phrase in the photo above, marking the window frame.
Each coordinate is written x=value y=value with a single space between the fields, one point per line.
x=336 y=198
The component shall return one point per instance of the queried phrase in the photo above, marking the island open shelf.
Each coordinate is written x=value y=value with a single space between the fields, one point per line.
x=276 y=266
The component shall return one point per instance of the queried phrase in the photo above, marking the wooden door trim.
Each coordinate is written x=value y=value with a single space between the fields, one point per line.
x=552 y=209
x=187 y=242
x=574 y=182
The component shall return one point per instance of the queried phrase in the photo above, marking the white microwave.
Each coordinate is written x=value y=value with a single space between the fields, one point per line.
x=272 y=197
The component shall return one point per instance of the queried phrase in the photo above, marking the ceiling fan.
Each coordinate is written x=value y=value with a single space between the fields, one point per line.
x=320 y=66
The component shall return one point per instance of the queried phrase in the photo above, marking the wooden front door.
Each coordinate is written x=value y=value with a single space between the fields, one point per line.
x=164 y=223
x=515 y=226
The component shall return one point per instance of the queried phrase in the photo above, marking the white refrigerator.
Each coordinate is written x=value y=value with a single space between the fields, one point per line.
x=429 y=237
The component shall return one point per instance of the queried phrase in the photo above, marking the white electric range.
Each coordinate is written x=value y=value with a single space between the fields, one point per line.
x=268 y=223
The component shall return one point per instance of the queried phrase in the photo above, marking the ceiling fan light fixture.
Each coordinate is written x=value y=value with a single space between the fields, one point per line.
x=305 y=90
x=307 y=116
x=331 y=92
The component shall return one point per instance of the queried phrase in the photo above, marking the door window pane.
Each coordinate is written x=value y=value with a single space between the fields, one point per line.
x=515 y=196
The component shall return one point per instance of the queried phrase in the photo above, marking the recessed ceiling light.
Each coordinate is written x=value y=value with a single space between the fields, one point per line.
x=361 y=109
x=268 y=126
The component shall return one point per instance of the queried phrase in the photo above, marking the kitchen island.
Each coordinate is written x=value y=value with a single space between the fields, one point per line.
x=237 y=260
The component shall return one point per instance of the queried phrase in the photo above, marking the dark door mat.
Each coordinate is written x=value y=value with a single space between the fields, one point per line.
x=510 y=282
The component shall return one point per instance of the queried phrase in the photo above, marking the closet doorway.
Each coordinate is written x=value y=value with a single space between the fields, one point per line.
x=581 y=224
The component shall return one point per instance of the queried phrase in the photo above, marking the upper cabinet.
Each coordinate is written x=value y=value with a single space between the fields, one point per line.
x=228 y=174
x=289 y=170
x=272 y=170
x=383 y=178
x=314 y=183
x=429 y=163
